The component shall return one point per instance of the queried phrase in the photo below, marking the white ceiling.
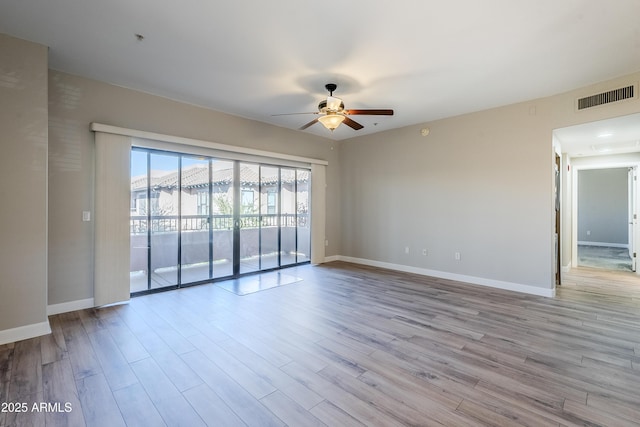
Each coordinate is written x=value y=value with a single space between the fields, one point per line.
x=604 y=137
x=425 y=59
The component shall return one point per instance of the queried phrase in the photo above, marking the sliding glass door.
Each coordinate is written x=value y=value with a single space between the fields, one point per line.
x=223 y=196
x=196 y=219
x=289 y=212
x=302 y=223
x=296 y=231
x=249 y=218
x=269 y=217
x=195 y=211
x=139 y=221
x=163 y=214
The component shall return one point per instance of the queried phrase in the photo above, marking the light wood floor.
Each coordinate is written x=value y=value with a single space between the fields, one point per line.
x=347 y=346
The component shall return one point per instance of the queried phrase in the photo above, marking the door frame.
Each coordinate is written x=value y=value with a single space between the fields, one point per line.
x=558 y=218
x=633 y=214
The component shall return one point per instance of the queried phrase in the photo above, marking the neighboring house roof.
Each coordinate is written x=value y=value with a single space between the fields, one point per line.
x=198 y=176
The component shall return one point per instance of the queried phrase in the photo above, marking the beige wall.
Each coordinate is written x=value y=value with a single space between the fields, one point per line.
x=23 y=184
x=460 y=189
x=75 y=102
x=480 y=184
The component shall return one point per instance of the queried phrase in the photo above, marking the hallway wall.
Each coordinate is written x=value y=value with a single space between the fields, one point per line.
x=603 y=207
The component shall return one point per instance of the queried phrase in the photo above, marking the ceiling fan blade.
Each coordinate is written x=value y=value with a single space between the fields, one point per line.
x=292 y=114
x=379 y=112
x=352 y=123
x=312 y=122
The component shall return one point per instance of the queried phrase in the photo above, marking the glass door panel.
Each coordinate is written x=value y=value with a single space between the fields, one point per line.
x=164 y=213
x=303 y=219
x=222 y=193
x=288 y=217
x=138 y=223
x=249 y=214
x=269 y=217
x=195 y=238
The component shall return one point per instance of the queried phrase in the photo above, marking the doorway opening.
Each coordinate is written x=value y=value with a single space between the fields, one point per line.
x=600 y=227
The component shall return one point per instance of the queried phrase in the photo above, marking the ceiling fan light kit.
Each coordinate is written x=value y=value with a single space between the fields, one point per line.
x=331 y=120
x=332 y=112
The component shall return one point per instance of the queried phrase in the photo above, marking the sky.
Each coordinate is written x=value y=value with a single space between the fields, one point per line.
x=159 y=162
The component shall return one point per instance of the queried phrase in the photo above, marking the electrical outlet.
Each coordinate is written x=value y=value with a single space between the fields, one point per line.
x=425 y=252
x=86 y=216
x=326 y=242
x=406 y=249
x=457 y=256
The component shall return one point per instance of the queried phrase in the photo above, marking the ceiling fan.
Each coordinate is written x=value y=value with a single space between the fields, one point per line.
x=332 y=112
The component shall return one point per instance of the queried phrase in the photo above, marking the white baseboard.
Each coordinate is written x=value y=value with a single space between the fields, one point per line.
x=113 y=304
x=66 y=307
x=604 y=244
x=509 y=286
x=332 y=258
x=24 y=332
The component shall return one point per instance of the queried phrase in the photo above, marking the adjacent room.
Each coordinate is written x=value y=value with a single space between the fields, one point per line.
x=603 y=218
x=309 y=214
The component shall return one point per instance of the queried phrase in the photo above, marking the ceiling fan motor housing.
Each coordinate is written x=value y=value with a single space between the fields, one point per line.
x=322 y=107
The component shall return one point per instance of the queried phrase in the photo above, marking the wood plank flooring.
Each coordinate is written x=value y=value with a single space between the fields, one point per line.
x=347 y=346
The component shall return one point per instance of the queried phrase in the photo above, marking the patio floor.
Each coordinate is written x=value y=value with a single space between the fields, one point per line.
x=168 y=276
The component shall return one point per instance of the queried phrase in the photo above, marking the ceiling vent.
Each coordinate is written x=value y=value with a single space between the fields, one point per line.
x=603 y=98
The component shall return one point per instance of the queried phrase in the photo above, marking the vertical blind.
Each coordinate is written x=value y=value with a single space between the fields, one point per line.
x=112 y=204
x=318 y=215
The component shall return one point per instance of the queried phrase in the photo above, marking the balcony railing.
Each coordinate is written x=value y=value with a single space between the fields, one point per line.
x=170 y=223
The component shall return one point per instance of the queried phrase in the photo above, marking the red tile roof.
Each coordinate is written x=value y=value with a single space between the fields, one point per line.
x=198 y=176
